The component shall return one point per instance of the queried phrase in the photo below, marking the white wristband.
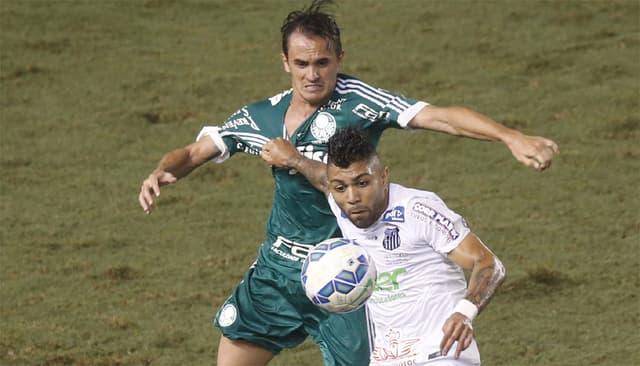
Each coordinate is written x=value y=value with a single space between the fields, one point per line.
x=466 y=308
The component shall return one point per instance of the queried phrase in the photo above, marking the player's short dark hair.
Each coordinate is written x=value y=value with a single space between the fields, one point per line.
x=349 y=145
x=312 y=21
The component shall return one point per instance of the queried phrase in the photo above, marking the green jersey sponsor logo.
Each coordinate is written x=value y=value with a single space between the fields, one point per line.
x=388 y=281
x=389 y=284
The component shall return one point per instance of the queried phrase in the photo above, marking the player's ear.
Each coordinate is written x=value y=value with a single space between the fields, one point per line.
x=340 y=58
x=385 y=177
x=285 y=62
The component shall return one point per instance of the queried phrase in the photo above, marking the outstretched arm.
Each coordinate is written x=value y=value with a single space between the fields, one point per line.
x=173 y=166
x=487 y=274
x=281 y=153
x=533 y=151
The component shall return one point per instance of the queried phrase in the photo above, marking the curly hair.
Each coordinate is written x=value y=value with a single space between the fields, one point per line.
x=349 y=145
x=312 y=21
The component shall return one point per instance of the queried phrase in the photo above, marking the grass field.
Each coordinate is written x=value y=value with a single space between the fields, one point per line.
x=93 y=93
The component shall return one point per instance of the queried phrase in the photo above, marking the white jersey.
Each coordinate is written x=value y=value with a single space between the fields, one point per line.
x=418 y=286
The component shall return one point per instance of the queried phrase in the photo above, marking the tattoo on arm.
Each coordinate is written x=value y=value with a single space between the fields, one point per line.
x=484 y=282
x=314 y=171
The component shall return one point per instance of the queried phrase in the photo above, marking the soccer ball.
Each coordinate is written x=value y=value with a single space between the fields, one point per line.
x=338 y=275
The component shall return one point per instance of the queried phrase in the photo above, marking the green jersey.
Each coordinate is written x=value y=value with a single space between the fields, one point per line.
x=300 y=216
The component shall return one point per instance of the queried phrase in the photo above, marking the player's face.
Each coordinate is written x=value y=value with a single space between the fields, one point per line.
x=361 y=190
x=313 y=66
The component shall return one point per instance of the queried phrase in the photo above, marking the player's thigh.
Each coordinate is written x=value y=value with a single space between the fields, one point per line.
x=344 y=339
x=241 y=353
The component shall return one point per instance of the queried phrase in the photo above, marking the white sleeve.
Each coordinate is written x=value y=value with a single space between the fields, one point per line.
x=443 y=229
x=214 y=134
x=405 y=117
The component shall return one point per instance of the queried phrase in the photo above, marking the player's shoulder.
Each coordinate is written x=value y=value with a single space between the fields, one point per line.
x=346 y=77
x=258 y=116
x=275 y=101
x=416 y=203
x=349 y=83
x=402 y=201
x=408 y=195
x=364 y=94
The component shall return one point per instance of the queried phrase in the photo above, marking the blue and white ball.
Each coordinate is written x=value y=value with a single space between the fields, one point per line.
x=338 y=275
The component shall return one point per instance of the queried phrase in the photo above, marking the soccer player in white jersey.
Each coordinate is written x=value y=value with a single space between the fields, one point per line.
x=422 y=308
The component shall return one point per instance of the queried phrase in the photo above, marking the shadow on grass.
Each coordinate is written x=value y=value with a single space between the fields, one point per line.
x=118 y=274
x=539 y=281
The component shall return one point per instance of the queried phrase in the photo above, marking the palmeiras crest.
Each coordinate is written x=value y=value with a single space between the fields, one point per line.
x=323 y=126
x=391 y=239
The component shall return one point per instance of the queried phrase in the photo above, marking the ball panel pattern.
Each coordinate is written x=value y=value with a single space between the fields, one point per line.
x=338 y=275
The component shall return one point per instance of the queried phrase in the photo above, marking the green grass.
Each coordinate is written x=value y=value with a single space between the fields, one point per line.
x=93 y=93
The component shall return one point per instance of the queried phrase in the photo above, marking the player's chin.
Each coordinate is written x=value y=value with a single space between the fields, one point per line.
x=360 y=219
x=315 y=96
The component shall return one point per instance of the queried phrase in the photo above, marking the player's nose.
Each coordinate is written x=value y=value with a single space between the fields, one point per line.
x=352 y=196
x=313 y=73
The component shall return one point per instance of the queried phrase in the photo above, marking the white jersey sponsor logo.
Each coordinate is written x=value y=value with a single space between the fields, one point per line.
x=396 y=214
x=437 y=218
x=395 y=348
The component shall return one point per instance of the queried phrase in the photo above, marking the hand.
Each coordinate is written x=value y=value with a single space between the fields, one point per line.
x=279 y=152
x=151 y=186
x=533 y=151
x=456 y=328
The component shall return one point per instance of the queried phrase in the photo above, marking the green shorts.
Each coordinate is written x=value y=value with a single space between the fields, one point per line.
x=269 y=308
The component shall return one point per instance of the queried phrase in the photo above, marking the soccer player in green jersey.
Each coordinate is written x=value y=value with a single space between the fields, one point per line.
x=268 y=311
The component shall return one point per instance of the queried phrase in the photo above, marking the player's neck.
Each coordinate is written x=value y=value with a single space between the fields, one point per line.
x=379 y=211
x=301 y=106
x=299 y=111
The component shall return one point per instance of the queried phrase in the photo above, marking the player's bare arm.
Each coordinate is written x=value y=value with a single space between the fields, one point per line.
x=533 y=151
x=281 y=153
x=173 y=166
x=487 y=274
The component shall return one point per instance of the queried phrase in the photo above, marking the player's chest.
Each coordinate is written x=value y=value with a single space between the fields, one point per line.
x=322 y=123
x=390 y=245
x=391 y=239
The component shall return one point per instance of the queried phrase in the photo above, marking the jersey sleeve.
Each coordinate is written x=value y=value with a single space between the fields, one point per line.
x=213 y=132
x=380 y=105
x=239 y=133
x=440 y=227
